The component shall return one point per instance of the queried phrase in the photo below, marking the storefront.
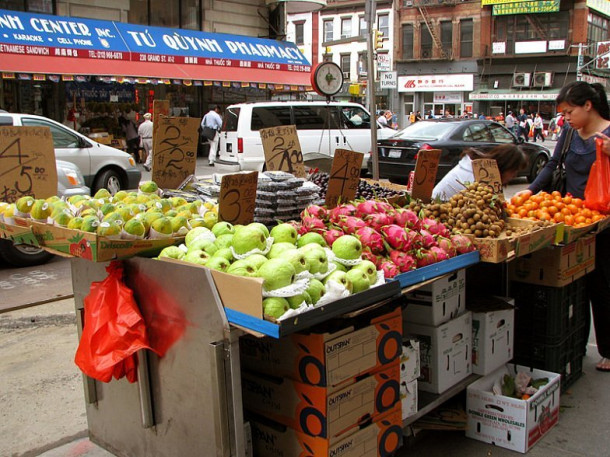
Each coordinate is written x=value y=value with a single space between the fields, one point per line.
x=491 y=102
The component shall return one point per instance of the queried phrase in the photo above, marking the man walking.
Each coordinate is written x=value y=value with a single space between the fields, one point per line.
x=212 y=120
x=509 y=122
x=523 y=125
x=145 y=131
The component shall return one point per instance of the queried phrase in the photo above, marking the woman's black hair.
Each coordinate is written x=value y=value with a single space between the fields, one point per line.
x=578 y=93
x=509 y=157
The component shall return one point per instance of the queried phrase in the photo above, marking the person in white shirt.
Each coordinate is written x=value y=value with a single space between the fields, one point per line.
x=213 y=120
x=538 y=127
x=145 y=131
x=382 y=119
x=509 y=122
x=509 y=157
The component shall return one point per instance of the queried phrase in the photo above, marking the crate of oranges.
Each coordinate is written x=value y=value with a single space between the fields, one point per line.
x=569 y=210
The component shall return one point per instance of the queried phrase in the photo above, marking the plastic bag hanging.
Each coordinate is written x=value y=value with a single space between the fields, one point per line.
x=113 y=329
x=597 y=192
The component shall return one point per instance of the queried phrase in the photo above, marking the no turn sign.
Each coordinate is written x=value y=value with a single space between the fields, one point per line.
x=388 y=80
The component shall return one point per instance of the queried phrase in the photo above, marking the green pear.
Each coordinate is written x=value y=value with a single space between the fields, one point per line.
x=369 y=268
x=218 y=263
x=315 y=290
x=172 y=252
x=296 y=258
x=276 y=273
x=197 y=256
x=242 y=268
x=284 y=233
x=311 y=237
x=275 y=306
x=341 y=278
x=347 y=247
x=277 y=249
x=247 y=239
x=359 y=279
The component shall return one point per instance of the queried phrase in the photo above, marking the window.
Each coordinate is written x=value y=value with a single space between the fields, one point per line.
x=501 y=135
x=362 y=61
x=407 y=41
x=62 y=138
x=346 y=63
x=346 y=27
x=466 y=37
x=315 y=117
x=164 y=13
x=328 y=30
x=190 y=14
x=362 y=26
x=447 y=37
x=265 y=117
x=383 y=24
x=425 y=41
x=299 y=30
x=185 y=14
x=230 y=119
x=598 y=29
x=33 y=6
x=356 y=118
x=477 y=132
x=511 y=29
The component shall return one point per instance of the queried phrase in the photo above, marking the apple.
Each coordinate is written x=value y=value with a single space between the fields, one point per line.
x=347 y=247
x=275 y=306
x=247 y=239
x=310 y=238
x=284 y=233
x=276 y=273
x=359 y=279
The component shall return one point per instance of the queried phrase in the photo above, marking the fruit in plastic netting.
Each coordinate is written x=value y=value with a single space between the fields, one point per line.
x=134 y=228
x=296 y=258
x=247 y=239
x=222 y=228
x=75 y=223
x=340 y=266
x=177 y=201
x=62 y=218
x=295 y=301
x=218 y=263
x=284 y=233
x=161 y=228
x=318 y=262
x=275 y=306
x=263 y=227
x=277 y=249
x=109 y=229
x=311 y=237
x=316 y=290
x=359 y=279
x=53 y=199
x=40 y=210
x=24 y=204
x=226 y=254
x=90 y=224
x=197 y=256
x=256 y=260
x=172 y=252
x=148 y=187
x=197 y=222
x=180 y=225
x=150 y=216
x=102 y=193
x=242 y=268
x=74 y=199
x=204 y=244
x=137 y=208
x=276 y=273
x=369 y=268
x=347 y=247
x=107 y=208
x=120 y=195
x=341 y=278
x=89 y=212
x=198 y=233
x=224 y=241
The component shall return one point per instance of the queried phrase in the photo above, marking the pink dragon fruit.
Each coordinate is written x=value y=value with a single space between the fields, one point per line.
x=446 y=245
x=341 y=210
x=372 y=239
x=403 y=261
x=331 y=235
x=350 y=224
x=396 y=237
x=378 y=220
x=367 y=207
x=427 y=239
x=415 y=239
x=435 y=227
x=389 y=269
x=425 y=257
x=315 y=211
x=439 y=253
x=368 y=255
x=462 y=244
x=313 y=224
x=407 y=218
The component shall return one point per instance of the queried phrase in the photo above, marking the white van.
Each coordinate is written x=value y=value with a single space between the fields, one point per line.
x=321 y=127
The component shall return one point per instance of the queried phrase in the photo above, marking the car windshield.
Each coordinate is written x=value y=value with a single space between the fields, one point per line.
x=425 y=130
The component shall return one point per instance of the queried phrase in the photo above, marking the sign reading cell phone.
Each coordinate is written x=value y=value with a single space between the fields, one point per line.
x=174 y=150
x=238 y=198
x=27 y=163
x=344 y=177
x=424 y=177
x=283 y=150
x=486 y=171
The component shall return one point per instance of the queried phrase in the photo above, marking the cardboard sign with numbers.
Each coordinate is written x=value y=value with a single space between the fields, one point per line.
x=174 y=150
x=160 y=110
x=283 y=150
x=27 y=163
x=426 y=168
x=238 y=198
x=486 y=171
x=344 y=177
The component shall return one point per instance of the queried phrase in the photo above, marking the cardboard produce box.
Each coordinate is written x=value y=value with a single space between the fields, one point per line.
x=493 y=333
x=321 y=411
x=408 y=398
x=571 y=234
x=381 y=438
x=509 y=422
x=445 y=352
x=327 y=357
x=409 y=361
x=556 y=266
x=21 y=233
x=439 y=301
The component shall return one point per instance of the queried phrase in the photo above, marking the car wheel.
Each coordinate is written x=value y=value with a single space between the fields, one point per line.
x=108 y=179
x=537 y=167
x=23 y=255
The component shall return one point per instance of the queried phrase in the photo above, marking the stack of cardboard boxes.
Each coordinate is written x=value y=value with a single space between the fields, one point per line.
x=329 y=390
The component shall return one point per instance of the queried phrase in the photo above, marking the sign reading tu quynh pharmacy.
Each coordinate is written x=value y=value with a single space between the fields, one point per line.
x=75 y=38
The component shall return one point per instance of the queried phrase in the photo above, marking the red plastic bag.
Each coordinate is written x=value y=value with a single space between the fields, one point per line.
x=597 y=192
x=113 y=330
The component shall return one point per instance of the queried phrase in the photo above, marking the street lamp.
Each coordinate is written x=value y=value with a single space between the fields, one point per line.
x=581 y=58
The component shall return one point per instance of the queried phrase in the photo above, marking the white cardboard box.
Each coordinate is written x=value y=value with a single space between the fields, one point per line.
x=408 y=397
x=493 y=333
x=445 y=352
x=509 y=422
x=409 y=361
x=439 y=301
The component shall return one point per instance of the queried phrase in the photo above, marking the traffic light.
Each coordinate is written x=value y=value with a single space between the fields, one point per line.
x=378 y=39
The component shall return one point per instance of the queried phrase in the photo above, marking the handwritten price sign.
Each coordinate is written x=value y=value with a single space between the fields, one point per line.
x=238 y=198
x=426 y=168
x=174 y=151
x=27 y=163
x=283 y=150
x=486 y=171
x=344 y=177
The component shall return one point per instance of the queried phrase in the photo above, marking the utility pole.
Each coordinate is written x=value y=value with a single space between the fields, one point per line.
x=370 y=14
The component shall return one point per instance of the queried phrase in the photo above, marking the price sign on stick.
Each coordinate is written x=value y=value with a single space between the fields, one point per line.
x=160 y=109
x=283 y=150
x=238 y=198
x=174 y=150
x=27 y=163
x=486 y=171
x=344 y=177
x=425 y=173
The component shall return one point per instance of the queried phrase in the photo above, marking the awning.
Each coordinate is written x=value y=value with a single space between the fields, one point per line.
x=44 y=44
x=502 y=94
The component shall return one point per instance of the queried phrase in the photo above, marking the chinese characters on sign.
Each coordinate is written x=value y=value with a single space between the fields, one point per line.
x=528 y=7
x=283 y=150
x=174 y=150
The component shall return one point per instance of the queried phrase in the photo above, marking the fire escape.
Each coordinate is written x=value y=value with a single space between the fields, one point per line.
x=422 y=7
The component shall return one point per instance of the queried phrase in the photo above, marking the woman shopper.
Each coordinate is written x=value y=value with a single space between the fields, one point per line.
x=585 y=109
x=510 y=159
x=538 y=126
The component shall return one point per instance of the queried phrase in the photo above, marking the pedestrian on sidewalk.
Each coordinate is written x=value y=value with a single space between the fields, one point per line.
x=523 y=125
x=538 y=126
x=509 y=122
x=213 y=120
x=145 y=130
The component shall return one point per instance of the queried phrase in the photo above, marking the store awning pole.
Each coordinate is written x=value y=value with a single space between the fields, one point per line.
x=370 y=88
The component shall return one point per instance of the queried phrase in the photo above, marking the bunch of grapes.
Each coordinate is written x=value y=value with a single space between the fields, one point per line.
x=365 y=190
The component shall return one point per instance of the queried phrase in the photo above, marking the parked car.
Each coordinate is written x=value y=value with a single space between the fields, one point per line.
x=398 y=154
x=321 y=127
x=102 y=166
x=70 y=181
